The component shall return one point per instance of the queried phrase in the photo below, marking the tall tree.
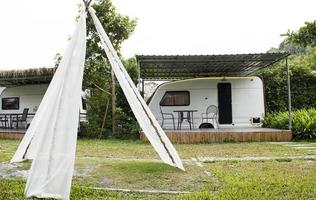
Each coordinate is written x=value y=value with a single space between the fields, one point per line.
x=97 y=77
x=302 y=45
x=305 y=36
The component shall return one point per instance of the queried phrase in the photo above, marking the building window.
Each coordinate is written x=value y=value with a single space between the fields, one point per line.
x=11 y=103
x=176 y=98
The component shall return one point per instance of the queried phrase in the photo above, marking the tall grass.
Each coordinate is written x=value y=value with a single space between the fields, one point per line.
x=303 y=122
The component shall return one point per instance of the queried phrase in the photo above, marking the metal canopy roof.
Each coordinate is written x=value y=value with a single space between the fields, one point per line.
x=26 y=76
x=193 y=66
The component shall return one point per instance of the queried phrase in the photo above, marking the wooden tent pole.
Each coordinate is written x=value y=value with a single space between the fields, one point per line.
x=87 y=3
x=104 y=117
x=113 y=97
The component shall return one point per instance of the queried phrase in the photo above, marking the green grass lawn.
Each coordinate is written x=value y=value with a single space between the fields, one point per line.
x=134 y=165
x=141 y=150
x=266 y=180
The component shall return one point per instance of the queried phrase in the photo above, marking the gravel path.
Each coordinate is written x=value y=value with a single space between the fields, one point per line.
x=249 y=158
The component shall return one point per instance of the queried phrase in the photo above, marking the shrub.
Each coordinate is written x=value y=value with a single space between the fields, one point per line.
x=127 y=126
x=303 y=122
x=276 y=120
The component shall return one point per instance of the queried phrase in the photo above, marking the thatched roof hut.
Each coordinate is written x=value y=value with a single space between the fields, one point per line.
x=26 y=76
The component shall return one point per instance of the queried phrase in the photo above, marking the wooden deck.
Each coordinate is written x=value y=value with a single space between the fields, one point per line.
x=12 y=133
x=226 y=135
x=200 y=135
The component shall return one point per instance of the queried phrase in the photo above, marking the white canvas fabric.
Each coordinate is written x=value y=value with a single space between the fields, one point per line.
x=50 y=141
x=143 y=114
x=51 y=138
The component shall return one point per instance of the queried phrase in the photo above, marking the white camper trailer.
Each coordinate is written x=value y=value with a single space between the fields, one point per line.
x=201 y=85
x=239 y=100
x=15 y=99
x=25 y=89
x=208 y=91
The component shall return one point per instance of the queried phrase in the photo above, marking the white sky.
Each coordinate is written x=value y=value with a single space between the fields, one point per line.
x=33 y=31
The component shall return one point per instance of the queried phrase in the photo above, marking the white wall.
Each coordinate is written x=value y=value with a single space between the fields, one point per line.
x=30 y=97
x=247 y=99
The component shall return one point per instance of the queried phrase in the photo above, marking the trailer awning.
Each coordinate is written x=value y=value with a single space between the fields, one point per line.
x=26 y=76
x=192 y=66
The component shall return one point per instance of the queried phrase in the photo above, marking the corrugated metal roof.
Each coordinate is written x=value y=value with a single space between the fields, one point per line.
x=170 y=67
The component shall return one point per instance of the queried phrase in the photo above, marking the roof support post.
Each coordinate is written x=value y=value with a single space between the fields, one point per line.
x=289 y=93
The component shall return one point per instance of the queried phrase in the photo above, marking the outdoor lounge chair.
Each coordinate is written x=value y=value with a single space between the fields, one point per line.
x=167 y=116
x=20 y=118
x=211 y=113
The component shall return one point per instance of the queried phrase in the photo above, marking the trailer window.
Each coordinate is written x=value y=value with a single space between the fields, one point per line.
x=11 y=103
x=176 y=98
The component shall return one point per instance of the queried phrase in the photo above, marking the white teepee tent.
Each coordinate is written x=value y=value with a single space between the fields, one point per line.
x=51 y=138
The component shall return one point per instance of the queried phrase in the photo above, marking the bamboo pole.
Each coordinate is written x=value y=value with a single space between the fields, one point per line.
x=104 y=117
x=113 y=103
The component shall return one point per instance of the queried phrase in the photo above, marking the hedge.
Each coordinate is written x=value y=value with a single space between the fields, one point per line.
x=303 y=122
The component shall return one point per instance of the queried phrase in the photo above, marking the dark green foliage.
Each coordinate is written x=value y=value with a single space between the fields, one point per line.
x=277 y=120
x=97 y=102
x=304 y=122
x=128 y=127
x=97 y=77
x=302 y=63
x=97 y=106
x=305 y=36
x=303 y=83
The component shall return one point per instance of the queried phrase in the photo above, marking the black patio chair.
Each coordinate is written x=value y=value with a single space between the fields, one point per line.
x=4 y=121
x=22 y=118
x=211 y=113
x=167 y=116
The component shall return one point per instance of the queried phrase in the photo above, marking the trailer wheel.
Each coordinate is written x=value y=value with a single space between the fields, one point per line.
x=206 y=125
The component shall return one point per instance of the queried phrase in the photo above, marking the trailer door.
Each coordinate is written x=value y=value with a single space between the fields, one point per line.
x=224 y=103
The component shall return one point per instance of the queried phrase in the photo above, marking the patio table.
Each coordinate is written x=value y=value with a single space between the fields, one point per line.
x=188 y=117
